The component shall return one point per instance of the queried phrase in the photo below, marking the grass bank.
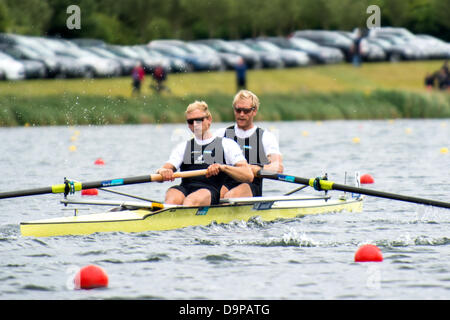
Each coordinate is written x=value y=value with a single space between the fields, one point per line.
x=70 y=109
x=374 y=91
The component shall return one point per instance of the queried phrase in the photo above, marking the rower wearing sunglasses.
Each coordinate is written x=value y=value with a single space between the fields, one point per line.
x=221 y=157
x=260 y=147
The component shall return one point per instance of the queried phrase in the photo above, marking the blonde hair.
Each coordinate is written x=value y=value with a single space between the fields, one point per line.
x=198 y=105
x=246 y=94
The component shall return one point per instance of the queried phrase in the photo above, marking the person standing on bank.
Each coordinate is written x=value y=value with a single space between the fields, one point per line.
x=241 y=75
x=137 y=76
x=221 y=157
x=260 y=147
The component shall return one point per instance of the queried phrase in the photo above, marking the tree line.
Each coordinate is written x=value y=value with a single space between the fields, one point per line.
x=140 y=21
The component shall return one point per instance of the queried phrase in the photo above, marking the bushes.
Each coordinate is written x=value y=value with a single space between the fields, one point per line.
x=70 y=109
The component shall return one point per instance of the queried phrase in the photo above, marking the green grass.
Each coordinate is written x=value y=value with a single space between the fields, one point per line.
x=373 y=91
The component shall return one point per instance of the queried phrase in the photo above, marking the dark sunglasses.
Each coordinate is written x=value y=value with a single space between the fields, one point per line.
x=245 y=110
x=191 y=121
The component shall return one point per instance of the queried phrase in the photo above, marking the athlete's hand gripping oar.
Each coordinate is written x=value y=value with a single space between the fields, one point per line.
x=72 y=186
x=330 y=185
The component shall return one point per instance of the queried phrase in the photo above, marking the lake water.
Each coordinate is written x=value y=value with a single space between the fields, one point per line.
x=303 y=258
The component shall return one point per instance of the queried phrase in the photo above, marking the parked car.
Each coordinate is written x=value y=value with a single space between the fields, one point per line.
x=22 y=52
x=369 y=50
x=268 y=59
x=441 y=48
x=318 y=54
x=123 y=52
x=252 y=60
x=177 y=49
x=176 y=64
x=126 y=64
x=229 y=60
x=10 y=68
x=290 y=57
x=405 y=50
x=33 y=69
x=68 y=67
x=95 y=66
x=422 y=49
x=393 y=52
x=328 y=39
x=160 y=60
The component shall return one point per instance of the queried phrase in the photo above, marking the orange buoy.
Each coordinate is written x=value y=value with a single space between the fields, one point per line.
x=366 y=179
x=99 y=161
x=90 y=277
x=368 y=253
x=89 y=192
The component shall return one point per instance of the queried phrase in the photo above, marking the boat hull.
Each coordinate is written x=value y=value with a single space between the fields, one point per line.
x=141 y=220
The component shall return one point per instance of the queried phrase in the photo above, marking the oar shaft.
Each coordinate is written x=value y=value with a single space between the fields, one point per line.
x=329 y=185
x=392 y=196
x=78 y=186
x=27 y=192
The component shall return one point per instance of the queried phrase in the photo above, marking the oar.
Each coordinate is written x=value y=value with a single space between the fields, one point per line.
x=330 y=185
x=72 y=186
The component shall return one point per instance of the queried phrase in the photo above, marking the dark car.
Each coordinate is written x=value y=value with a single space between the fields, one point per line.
x=328 y=39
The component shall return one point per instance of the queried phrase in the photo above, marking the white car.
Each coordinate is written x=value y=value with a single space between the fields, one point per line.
x=95 y=66
x=11 y=69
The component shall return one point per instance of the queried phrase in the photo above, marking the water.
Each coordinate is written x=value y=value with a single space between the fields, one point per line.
x=303 y=258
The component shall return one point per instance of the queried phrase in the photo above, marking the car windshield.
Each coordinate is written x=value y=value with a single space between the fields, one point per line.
x=172 y=50
x=102 y=52
x=269 y=46
x=304 y=44
x=397 y=32
x=205 y=48
x=223 y=45
x=129 y=52
x=197 y=49
x=140 y=51
x=242 y=47
x=153 y=53
x=28 y=52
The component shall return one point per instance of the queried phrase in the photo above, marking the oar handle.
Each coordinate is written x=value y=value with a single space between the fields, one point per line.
x=180 y=174
x=72 y=186
x=330 y=185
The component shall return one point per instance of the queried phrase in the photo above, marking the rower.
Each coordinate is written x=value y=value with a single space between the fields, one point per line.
x=259 y=146
x=220 y=157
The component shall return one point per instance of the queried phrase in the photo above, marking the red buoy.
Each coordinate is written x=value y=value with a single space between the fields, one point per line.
x=90 y=277
x=99 y=161
x=368 y=253
x=366 y=179
x=89 y=192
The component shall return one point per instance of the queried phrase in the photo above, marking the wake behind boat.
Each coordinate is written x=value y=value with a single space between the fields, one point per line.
x=141 y=216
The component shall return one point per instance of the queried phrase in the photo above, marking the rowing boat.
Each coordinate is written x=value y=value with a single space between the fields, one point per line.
x=141 y=216
x=151 y=215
